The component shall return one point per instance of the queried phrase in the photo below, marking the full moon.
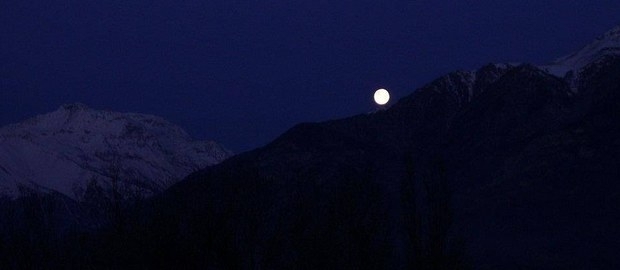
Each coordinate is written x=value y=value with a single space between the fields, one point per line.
x=382 y=96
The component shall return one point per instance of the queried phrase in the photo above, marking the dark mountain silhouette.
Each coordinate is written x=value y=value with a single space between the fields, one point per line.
x=505 y=167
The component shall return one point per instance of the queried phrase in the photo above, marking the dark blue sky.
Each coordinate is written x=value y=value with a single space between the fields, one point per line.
x=242 y=72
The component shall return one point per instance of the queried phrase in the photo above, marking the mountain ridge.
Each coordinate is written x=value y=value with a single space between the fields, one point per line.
x=572 y=64
x=505 y=167
x=66 y=148
x=520 y=154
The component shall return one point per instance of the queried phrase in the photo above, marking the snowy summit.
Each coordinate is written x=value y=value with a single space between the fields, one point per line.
x=606 y=45
x=76 y=147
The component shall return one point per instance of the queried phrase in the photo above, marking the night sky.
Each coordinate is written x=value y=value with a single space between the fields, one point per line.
x=242 y=72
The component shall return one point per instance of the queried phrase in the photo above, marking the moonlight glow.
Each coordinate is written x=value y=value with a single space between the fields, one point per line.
x=382 y=96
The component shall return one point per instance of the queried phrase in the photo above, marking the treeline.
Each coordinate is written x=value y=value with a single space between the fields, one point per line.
x=254 y=221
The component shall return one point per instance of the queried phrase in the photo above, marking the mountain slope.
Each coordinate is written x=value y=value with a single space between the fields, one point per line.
x=527 y=162
x=572 y=65
x=505 y=167
x=67 y=149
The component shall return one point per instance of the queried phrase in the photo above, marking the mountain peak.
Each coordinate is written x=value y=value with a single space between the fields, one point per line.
x=68 y=148
x=74 y=107
x=605 y=45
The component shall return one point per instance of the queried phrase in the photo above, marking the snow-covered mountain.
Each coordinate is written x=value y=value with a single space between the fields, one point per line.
x=463 y=86
x=607 y=44
x=76 y=148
